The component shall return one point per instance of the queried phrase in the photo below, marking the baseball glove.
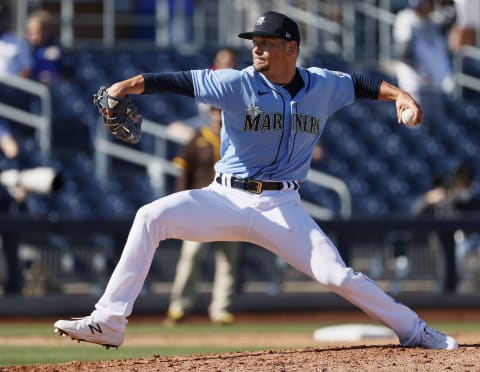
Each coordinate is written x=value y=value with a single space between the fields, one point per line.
x=120 y=116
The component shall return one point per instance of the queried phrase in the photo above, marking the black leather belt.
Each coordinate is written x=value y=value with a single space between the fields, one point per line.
x=255 y=186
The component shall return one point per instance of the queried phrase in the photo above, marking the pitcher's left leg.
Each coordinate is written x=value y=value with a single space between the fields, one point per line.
x=290 y=232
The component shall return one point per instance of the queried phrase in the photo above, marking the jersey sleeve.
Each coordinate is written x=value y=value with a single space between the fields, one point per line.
x=341 y=89
x=219 y=88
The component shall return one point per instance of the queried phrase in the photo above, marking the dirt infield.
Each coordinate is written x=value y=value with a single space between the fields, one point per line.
x=374 y=355
x=351 y=358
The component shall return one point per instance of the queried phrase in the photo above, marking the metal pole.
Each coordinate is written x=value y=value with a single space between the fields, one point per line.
x=21 y=17
x=348 y=31
x=224 y=8
x=46 y=133
x=102 y=161
x=385 y=34
x=108 y=23
x=312 y=31
x=66 y=23
x=199 y=25
x=161 y=23
x=370 y=36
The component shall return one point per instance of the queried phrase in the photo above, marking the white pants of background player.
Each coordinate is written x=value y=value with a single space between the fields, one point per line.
x=275 y=220
x=186 y=275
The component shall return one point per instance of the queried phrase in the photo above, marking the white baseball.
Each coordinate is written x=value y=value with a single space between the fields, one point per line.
x=407 y=117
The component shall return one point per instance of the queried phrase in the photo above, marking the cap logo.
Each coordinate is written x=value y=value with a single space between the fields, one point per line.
x=287 y=35
x=260 y=21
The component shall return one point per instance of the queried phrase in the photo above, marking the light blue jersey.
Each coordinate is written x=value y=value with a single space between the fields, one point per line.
x=266 y=134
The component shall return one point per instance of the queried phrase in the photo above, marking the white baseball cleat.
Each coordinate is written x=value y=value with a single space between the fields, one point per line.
x=85 y=329
x=433 y=339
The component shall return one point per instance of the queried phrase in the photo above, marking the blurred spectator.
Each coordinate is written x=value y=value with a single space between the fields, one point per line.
x=47 y=53
x=15 y=56
x=467 y=24
x=462 y=196
x=463 y=201
x=196 y=160
x=46 y=58
x=423 y=63
x=455 y=197
x=224 y=58
x=16 y=184
x=8 y=144
x=425 y=204
x=451 y=197
x=11 y=202
x=15 y=60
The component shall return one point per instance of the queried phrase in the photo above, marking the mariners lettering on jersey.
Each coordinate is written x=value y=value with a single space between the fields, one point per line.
x=257 y=121
x=306 y=123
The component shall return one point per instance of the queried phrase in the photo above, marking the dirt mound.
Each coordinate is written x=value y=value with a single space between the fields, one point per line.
x=353 y=358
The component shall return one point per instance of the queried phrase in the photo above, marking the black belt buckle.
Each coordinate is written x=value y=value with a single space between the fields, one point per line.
x=257 y=184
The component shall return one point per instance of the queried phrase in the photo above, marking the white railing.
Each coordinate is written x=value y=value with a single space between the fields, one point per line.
x=380 y=21
x=41 y=122
x=462 y=79
x=158 y=167
x=335 y=184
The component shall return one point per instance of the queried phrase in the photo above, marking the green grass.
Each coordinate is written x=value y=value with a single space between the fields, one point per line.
x=33 y=354
x=156 y=328
x=15 y=355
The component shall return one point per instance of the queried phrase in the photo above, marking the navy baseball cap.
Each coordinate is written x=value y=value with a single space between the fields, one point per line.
x=273 y=24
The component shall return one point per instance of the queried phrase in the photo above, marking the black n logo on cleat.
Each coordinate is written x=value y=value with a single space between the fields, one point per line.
x=94 y=329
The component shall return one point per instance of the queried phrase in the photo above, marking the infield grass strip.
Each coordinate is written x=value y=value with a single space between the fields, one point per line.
x=34 y=354
x=40 y=329
x=156 y=328
x=15 y=355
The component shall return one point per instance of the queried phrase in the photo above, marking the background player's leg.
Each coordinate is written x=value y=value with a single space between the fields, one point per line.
x=184 y=283
x=226 y=259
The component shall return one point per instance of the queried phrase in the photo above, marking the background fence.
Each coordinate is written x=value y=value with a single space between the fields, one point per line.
x=403 y=255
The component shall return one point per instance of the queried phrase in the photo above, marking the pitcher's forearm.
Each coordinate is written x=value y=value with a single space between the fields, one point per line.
x=134 y=85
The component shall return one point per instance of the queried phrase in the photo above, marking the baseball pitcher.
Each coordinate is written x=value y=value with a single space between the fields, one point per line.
x=273 y=114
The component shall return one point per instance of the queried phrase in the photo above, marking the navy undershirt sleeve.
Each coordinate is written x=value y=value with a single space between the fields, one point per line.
x=366 y=86
x=169 y=82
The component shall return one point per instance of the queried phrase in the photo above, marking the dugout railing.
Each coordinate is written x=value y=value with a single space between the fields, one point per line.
x=40 y=121
x=463 y=79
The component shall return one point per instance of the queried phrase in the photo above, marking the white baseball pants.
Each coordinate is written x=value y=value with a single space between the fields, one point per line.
x=275 y=220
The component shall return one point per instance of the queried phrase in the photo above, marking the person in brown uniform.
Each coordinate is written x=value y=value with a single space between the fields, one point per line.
x=196 y=161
